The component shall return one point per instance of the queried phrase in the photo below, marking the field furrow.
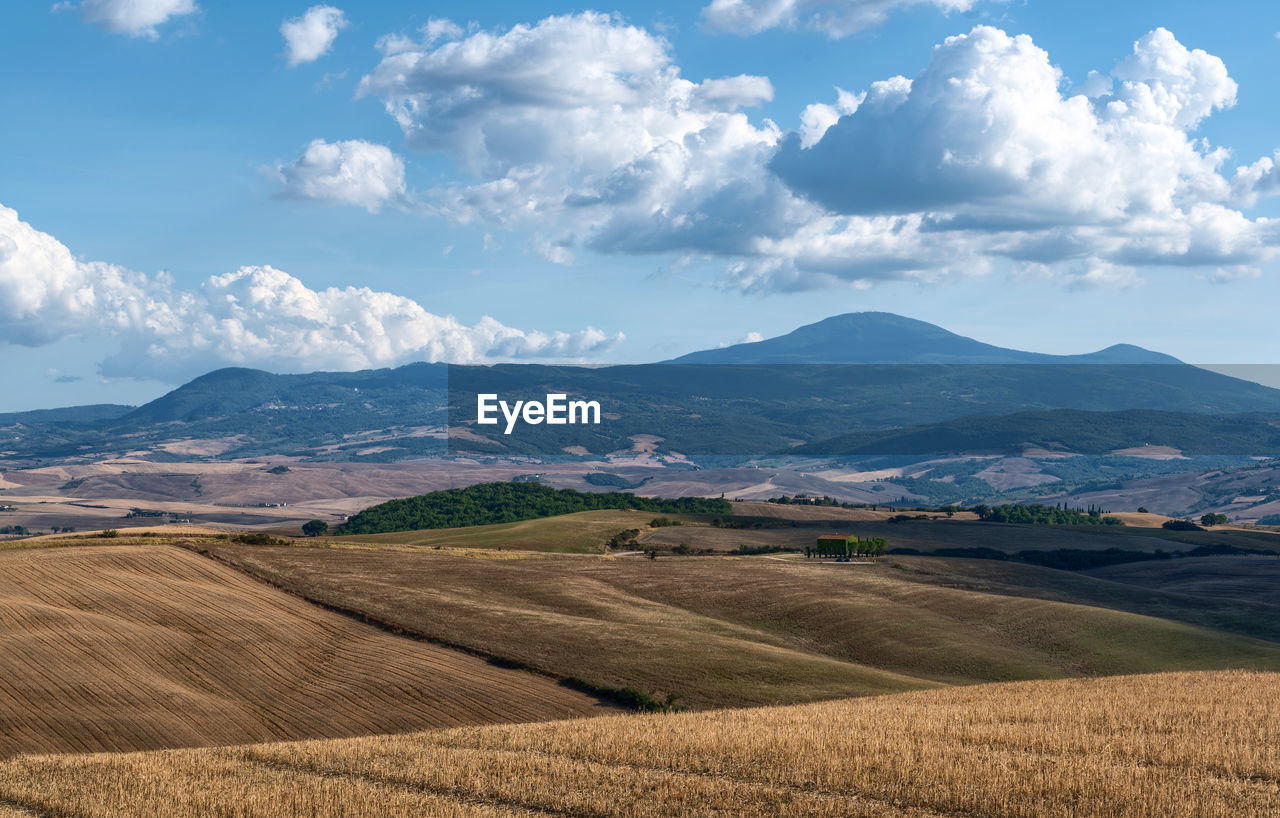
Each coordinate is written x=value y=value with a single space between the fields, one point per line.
x=1171 y=744
x=150 y=646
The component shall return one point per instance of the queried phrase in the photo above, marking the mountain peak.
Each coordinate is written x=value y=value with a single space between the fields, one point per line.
x=888 y=338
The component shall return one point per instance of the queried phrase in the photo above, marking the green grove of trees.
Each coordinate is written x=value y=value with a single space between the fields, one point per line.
x=489 y=503
x=1037 y=514
x=852 y=547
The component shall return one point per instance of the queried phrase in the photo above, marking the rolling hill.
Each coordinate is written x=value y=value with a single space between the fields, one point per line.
x=1175 y=744
x=584 y=532
x=132 y=647
x=1244 y=578
x=731 y=631
x=1068 y=430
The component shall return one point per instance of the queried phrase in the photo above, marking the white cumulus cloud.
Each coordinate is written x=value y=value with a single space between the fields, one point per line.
x=309 y=37
x=581 y=129
x=255 y=316
x=581 y=132
x=136 y=18
x=1262 y=178
x=985 y=128
x=351 y=172
x=835 y=18
x=982 y=156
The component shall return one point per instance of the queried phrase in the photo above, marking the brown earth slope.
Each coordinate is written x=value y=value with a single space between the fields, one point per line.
x=729 y=631
x=1245 y=578
x=150 y=646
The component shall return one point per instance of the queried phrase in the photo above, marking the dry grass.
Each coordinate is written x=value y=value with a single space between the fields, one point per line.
x=142 y=532
x=148 y=646
x=1185 y=744
x=930 y=534
x=568 y=616
x=583 y=533
x=1138 y=519
x=753 y=508
x=746 y=631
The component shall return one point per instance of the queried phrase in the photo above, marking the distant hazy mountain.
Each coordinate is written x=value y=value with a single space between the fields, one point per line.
x=885 y=338
x=853 y=383
x=398 y=395
x=92 y=413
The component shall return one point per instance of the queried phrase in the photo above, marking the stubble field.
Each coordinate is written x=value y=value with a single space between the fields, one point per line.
x=1174 y=744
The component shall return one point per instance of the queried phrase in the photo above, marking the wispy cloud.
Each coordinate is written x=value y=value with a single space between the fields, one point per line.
x=136 y=18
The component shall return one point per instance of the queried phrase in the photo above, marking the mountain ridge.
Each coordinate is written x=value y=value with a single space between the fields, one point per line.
x=737 y=408
x=888 y=338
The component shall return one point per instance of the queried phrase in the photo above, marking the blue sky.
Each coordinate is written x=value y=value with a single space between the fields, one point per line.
x=185 y=188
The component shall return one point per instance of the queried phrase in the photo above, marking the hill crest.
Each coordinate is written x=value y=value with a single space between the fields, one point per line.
x=888 y=338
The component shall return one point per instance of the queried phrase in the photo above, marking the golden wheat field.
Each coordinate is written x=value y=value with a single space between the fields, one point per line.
x=1174 y=744
x=146 y=646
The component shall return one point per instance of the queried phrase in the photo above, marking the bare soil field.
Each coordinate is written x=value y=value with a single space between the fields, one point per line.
x=1248 y=614
x=146 y=646
x=1175 y=744
x=808 y=513
x=726 y=631
x=1245 y=578
x=1015 y=472
x=761 y=484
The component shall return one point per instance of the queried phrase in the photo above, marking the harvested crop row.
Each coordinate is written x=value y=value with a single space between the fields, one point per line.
x=746 y=631
x=1176 y=744
x=140 y=647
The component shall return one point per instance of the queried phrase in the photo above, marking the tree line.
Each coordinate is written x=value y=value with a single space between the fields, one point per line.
x=1037 y=514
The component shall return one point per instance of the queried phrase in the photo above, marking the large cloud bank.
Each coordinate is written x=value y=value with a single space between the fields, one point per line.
x=257 y=316
x=581 y=131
